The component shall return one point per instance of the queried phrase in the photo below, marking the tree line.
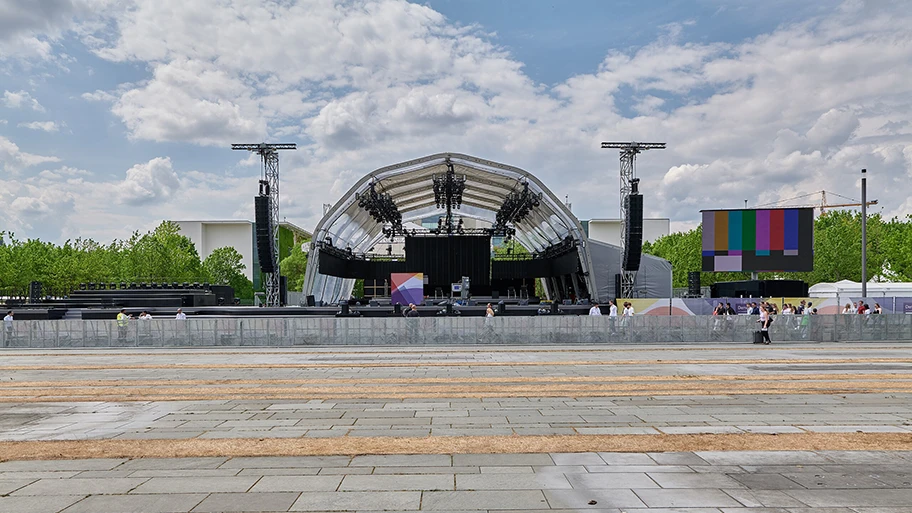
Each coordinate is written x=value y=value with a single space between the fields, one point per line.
x=161 y=255
x=837 y=251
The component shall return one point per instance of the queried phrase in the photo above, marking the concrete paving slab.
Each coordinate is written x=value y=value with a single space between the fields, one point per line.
x=398 y=482
x=195 y=484
x=581 y=499
x=157 y=503
x=76 y=486
x=541 y=481
x=764 y=499
x=402 y=460
x=501 y=460
x=686 y=498
x=286 y=462
x=296 y=484
x=614 y=480
x=852 y=498
x=47 y=504
x=694 y=481
x=525 y=500
x=583 y=458
x=232 y=502
x=353 y=501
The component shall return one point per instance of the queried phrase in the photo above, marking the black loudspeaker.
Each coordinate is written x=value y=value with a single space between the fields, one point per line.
x=283 y=290
x=264 y=240
x=311 y=301
x=633 y=239
x=617 y=286
x=693 y=283
x=35 y=291
x=495 y=294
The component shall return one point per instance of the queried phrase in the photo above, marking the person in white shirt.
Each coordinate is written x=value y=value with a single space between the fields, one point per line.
x=146 y=316
x=595 y=309
x=8 y=327
x=628 y=310
x=612 y=309
x=181 y=316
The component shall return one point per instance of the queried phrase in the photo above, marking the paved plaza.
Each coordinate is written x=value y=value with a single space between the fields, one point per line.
x=699 y=429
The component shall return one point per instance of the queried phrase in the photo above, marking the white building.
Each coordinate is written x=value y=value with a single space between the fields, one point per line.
x=238 y=234
x=610 y=230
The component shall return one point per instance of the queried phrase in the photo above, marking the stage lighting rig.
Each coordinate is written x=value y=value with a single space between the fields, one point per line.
x=381 y=207
x=516 y=207
x=448 y=189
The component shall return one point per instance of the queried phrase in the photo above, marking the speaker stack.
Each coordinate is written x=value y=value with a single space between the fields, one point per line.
x=693 y=284
x=265 y=242
x=633 y=238
x=35 y=292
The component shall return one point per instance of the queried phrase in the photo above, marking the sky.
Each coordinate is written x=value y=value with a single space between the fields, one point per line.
x=117 y=114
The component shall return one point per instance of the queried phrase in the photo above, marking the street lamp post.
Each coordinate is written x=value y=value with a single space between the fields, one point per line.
x=864 y=233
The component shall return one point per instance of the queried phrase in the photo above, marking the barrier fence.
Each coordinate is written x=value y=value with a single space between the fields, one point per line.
x=323 y=331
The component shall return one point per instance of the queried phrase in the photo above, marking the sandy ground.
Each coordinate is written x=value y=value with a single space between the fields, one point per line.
x=51 y=450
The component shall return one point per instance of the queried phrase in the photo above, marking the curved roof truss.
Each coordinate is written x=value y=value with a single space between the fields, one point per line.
x=411 y=186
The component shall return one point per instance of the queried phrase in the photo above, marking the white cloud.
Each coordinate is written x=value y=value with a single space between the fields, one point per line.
x=13 y=159
x=367 y=84
x=46 y=126
x=20 y=99
x=153 y=181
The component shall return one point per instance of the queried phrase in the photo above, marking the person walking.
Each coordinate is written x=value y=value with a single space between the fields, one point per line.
x=595 y=310
x=7 y=328
x=764 y=325
x=489 y=312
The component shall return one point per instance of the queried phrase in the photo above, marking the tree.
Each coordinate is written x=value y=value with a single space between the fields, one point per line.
x=294 y=266
x=224 y=266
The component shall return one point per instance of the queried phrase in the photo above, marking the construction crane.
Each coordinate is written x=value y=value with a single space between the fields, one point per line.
x=269 y=186
x=629 y=182
x=822 y=206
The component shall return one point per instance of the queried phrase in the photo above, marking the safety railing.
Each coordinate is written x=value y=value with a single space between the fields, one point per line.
x=328 y=331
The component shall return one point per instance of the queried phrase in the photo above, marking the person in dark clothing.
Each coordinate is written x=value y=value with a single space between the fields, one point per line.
x=412 y=311
x=729 y=310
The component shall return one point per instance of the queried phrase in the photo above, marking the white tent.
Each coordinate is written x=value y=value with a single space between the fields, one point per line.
x=846 y=288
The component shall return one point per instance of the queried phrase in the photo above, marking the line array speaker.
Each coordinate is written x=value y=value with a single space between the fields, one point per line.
x=617 y=286
x=633 y=238
x=264 y=240
x=693 y=283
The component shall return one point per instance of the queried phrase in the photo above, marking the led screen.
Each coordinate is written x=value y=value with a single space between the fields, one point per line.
x=758 y=240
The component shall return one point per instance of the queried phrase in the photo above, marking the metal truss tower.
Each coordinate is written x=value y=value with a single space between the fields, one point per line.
x=270 y=156
x=629 y=151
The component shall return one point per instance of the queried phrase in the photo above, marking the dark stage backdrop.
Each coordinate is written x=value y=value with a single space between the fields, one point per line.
x=445 y=260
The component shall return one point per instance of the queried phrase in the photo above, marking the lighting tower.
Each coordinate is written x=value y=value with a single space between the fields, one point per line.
x=629 y=180
x=270 y=155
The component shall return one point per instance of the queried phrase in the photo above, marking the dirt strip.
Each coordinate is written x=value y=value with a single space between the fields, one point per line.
x=450 y=380
x=81 y=449
x=305 y=365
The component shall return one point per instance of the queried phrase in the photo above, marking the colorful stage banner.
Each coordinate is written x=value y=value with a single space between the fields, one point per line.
x=407 y=288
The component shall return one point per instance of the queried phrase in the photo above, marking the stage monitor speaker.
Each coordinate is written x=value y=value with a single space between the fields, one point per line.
x=633 y=241
x=693 y=283
x=264 y=240
x=311 y=301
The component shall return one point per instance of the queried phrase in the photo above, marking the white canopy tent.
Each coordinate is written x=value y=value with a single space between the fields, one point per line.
x=847 y=288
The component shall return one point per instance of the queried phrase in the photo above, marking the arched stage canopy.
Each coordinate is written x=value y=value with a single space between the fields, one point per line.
x=411 y=187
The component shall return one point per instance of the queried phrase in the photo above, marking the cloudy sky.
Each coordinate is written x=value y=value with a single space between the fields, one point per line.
x=117 y=114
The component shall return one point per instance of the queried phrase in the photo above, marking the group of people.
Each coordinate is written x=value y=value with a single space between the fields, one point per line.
x=613 y=309
x=862 y=308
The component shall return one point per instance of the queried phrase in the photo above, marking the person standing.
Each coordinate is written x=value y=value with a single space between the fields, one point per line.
x=612 y=309
x=764 y=325
x=122 y=320
x=489 y=312
x=181 y=316
x=595 y=310
x=7 y=328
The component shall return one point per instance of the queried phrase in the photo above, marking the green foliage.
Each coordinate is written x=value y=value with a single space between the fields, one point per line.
x=161 y=255
x=293 y=267
x=837 y=251
x=358 y=290
x=224 y=266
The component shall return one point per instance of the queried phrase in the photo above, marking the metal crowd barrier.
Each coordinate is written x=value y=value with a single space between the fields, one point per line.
x=329 y=331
